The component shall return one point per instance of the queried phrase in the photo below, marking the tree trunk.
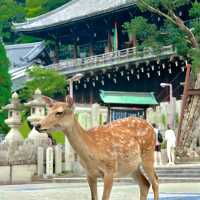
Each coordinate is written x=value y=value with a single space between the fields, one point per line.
x=191 y=121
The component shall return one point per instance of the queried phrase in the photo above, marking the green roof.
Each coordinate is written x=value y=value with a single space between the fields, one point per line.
x=131 y=98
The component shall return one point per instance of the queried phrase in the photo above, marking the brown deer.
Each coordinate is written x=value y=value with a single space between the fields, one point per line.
x=117 y=149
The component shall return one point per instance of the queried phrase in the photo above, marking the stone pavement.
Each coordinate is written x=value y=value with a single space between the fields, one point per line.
x=80 y=191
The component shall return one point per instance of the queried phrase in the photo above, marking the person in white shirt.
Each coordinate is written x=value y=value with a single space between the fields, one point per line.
x=157 y=154
x=170 y=137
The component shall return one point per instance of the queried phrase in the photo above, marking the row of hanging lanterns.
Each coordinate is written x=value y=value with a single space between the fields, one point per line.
x=136 y=72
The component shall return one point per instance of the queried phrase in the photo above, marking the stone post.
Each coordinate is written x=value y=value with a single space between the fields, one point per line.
x=13 y=120
x=58 y=159
x=95 y=114
x=40 y=161
x=49 y=161
x=69 y=156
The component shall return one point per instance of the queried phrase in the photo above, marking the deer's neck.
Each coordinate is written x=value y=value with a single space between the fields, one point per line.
x=80 y=141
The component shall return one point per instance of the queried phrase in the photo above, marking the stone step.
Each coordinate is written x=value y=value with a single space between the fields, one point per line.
x=127 y=180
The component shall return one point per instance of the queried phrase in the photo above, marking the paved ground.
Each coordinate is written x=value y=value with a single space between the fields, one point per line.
x=74 y=191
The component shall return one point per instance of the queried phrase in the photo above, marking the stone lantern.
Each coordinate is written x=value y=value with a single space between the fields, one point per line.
x=13 y=120
x=37 y=106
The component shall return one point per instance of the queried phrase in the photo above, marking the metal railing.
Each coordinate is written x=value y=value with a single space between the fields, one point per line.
x=112 y=58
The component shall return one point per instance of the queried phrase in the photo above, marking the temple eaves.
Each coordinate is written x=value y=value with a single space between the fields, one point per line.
x=22 y=55
x=72 y=11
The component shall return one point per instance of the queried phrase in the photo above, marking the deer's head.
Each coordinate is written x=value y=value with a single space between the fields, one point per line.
x=60 y=115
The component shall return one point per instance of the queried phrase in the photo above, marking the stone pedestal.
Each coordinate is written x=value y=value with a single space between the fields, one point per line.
x=49 y=161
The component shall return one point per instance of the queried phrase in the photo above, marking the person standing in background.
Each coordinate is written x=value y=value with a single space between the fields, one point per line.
x=170 y=137
x=159 y=140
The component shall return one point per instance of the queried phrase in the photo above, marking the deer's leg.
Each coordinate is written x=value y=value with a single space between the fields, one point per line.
x=108 y=182
x=93 y=187
x=143 y=184
x=148 y=165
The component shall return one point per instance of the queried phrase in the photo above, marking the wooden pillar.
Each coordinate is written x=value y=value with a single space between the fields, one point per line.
x=145 y=113
x=109 y=42
x=91 y=52
x=109 y=114
x=56 y=53
x=75 y=51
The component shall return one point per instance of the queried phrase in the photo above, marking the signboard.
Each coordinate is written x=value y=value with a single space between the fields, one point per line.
x=120 y=113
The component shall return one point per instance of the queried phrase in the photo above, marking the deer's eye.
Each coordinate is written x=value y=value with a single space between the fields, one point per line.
x=59 y=113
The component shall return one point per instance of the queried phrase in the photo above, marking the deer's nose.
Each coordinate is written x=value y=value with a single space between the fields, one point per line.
x=38 y=126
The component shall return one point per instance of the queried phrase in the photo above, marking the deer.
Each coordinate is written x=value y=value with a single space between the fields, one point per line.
x=117 y=149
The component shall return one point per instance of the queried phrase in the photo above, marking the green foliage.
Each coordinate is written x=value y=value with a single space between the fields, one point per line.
x=146 y=34
x=195 y=10
x=25 y=129
x=10 y=10
x=35 y=7
x=59 y=137
x=162 y=4
x=17 y=10
x=164 y=120
x=195 y=55
x=49 y=81
x=5 y=85
x=174 y=36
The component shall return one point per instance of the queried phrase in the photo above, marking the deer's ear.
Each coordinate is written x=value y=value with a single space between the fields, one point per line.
x=69 y=101
x=49 y=101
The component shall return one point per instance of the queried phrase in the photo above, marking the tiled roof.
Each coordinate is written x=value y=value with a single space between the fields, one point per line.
x=22 y=55
x=72 y=11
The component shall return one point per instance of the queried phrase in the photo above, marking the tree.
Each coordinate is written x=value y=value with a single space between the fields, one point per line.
x=10 y=10
x=5 y=85
x=49 y=81
x=187 y=41
x=35 y=7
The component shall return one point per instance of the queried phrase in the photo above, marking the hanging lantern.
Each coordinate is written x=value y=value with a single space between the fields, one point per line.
x=85 y=85
x=176 y=63
x=148 y=75
x=183 y=69
x=93 y=83
x=108 y=75
x=163 y=65
x=122 y=73
x=152 y=67
x=115 y=80
x=97 y=78
x=88 y=79
x=158 y=19
x=102 y=82
x=128 y=78
x=138 y=76
x=142 y=69
x=170 y=70
x=158 y=73
x=132 y=71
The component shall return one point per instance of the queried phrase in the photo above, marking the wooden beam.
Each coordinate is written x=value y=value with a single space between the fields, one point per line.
x=194 y=92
